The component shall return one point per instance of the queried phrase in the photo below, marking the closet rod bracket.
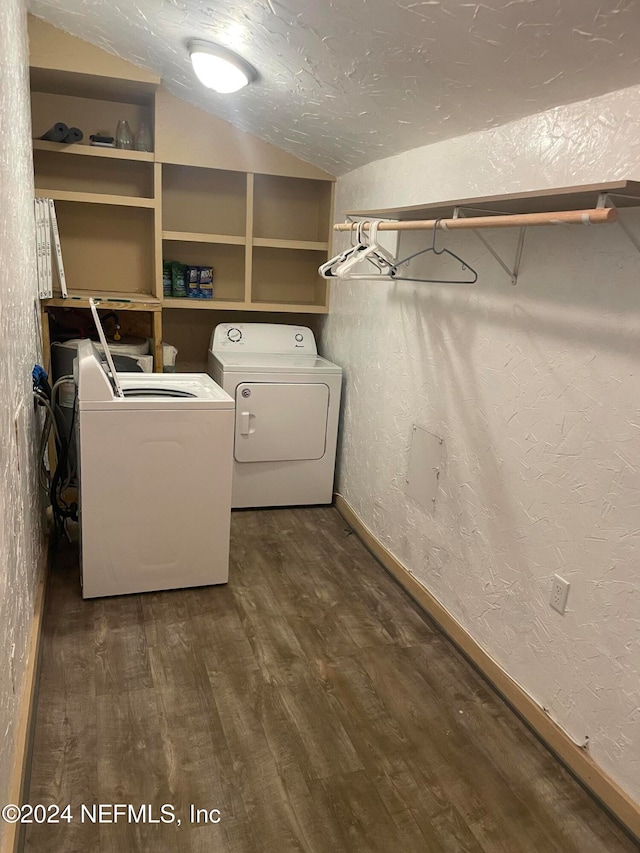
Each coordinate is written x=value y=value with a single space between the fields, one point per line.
x=609 y=200
x=513 y=271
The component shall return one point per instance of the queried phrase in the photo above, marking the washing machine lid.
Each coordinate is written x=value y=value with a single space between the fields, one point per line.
x=274 y=362
x=157 y=391
x=101 y=388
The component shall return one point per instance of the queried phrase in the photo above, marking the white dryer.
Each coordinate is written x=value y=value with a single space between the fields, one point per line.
x=287 y=406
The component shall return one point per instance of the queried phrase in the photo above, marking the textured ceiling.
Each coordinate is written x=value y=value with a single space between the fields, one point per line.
x=345 y=82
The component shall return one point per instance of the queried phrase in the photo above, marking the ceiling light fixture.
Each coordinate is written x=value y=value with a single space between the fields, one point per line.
x=218 y=68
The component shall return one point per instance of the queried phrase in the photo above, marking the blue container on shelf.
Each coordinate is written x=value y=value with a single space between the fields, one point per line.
x=192 y=279
x=205 y=282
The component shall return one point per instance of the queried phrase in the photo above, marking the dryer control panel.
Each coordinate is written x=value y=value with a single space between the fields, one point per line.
x=263 y=337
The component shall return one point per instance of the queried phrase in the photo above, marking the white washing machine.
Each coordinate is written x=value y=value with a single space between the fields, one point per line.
x=287 y=405
x=155 y=455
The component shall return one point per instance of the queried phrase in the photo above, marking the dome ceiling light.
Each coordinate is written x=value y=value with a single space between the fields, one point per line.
x=218 y=68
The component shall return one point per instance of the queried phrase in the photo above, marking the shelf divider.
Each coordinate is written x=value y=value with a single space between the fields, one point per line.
x=248 y=255
x=157 y=231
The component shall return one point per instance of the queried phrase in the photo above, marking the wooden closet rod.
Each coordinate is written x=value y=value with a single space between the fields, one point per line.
x=516 y=220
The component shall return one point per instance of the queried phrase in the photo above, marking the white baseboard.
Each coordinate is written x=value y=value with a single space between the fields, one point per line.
x=574 y=757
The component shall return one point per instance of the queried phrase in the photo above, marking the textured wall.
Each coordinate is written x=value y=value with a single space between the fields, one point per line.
x=534 y=390
x=21 y=556
x=345 y=82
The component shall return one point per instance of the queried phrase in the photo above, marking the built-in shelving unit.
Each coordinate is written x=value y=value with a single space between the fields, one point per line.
x=106 y=200
x=207 y=196
x=247 y=217
x=204 y=217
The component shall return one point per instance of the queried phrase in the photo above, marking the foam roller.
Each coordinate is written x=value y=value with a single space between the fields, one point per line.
x=57 y=133
x=74 y=135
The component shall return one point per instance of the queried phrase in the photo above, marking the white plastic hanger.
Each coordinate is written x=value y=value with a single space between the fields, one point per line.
x=369 y=250
x=327 y=270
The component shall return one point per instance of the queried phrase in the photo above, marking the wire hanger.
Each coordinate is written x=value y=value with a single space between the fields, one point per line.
x=432 y=248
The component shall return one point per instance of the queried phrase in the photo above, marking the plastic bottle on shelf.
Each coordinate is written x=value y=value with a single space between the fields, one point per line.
x=143 y=138
x=124 y=137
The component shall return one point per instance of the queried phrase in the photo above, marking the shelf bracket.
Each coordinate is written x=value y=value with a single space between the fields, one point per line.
x=513 y=271
x=608 y=200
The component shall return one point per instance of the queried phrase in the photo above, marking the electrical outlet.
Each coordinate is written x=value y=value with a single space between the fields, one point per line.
x=559 y=593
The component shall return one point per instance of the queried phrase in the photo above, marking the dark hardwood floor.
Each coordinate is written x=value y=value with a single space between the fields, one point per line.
x=309 y=701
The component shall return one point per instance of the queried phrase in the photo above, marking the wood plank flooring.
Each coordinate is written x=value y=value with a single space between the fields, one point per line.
x=309 y=700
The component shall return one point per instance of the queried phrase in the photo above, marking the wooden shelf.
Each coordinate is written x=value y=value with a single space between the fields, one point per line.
x=92 y=151
x=96 y=198
x=290 y=244
x=130 y=302
x=194 y=237
x=231 y=305
x=289 y=307
x=581 y=197
x=219 y=304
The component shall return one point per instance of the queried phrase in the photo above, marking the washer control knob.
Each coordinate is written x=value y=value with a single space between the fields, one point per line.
x=299 y=337
x=234 y=335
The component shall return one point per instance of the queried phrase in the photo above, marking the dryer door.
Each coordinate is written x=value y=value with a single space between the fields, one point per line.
x=280 y=422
